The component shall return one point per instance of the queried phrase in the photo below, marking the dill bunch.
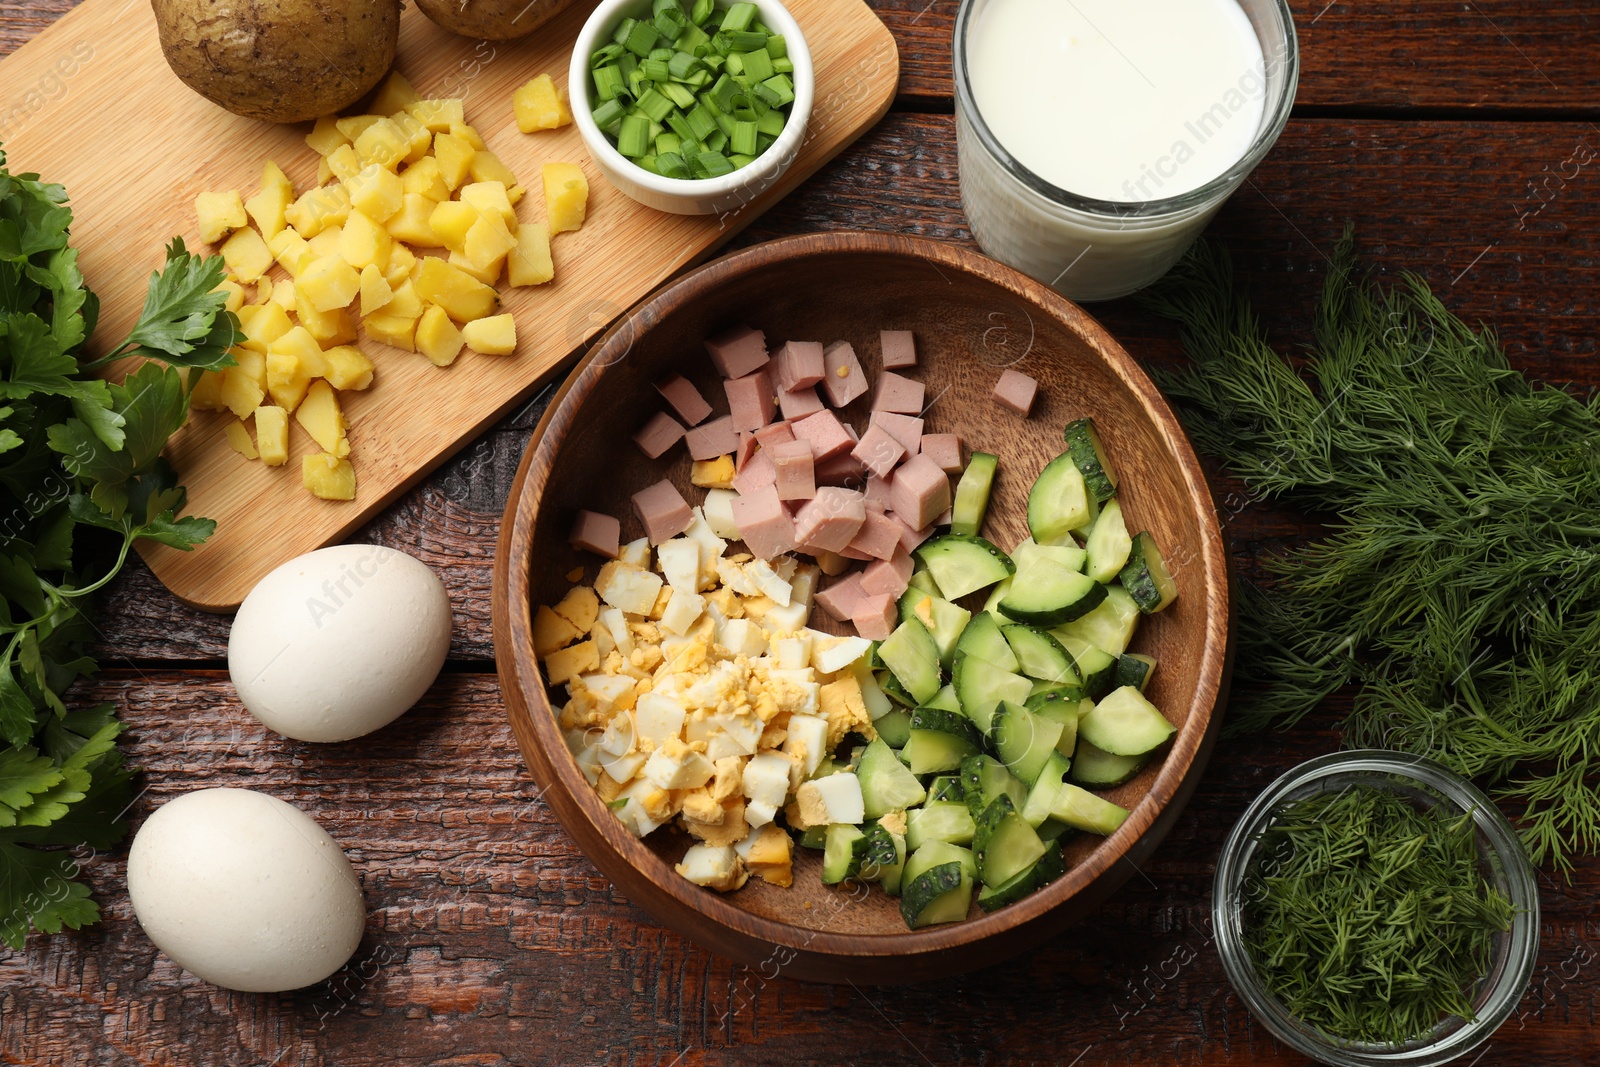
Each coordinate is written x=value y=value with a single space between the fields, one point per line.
x=1459 y=582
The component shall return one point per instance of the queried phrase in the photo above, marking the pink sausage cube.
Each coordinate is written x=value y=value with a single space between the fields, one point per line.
x=843 y=379
x=684 y=398
x=878 y=451
x=716 y=438
x=944 y=449
x=898 y=394
x=774 y=433
x=658 y=435
x=855 y=553
x=663 y=511
x=840 y=599
x=799 y=365
x=876 y=616
x=748 y=444
x=738 y=351
x=878 y=538
x=597 y=533
x=757 y=474
x=799 y=403
x=878 y=492
x=831 y=519
x=892 y=575
x=843 y=469
x=899 y=349
x=750 y=400
x=1014 y=392
x=765 y=526
x=827 y=435
x=796 y=473
x=920 y=493
x=909 y=538
x=903 y=428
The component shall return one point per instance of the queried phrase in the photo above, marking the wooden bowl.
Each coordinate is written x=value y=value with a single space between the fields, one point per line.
x=972 y=317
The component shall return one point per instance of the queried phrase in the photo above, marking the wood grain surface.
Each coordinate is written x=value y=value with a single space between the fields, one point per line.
x=492 y=941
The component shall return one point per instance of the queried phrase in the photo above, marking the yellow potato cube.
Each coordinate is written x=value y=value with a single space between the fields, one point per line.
x=292 y=252
x=540 y=105
x=207 y=392
x=439 y=115
x=395 y=94
x=493 y=336
x=515 y=194
x=251 y=364
x=375 y=290
x=238 y=435
x=287 y=380
x=530 y=263
x=455 y=158
x=240 y=393
x=566 y=196
x=342 y=163
x=463 y=296
x=301 y=345
x=219 y=214
x=324 y=171
x=488 y=274
x=401 y=260
x=283 y=293
x=264 y=288
x=328 y=477
x=375 y=192
x=262 y=324
x=424 y=178
x=353 y=126
x=246 y=254
x=490 y=196
x=346 y=367
x=235 y=293
x=392 y=330
x=364 y=242
x=418 y=138
x=487 y=242
x=412 y=223
x=325 y=136
x=469 y=135
x=272 y=435
x=329 y=327
x=317 y=209
x=325 y=243
x=486 y=167
x=450 y=222
x=406 y=303
x=319 y=416
x=437 y=337
x=328 y=284
x=266 y=208
x=383 y=143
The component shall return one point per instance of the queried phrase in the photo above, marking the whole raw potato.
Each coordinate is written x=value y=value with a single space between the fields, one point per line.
x=279 y=60
x=492 y=20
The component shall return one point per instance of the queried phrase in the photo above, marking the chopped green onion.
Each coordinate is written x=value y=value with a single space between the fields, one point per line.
x=649 y=163
x=670 y=23
x=680 y=126
x=683 y=64
x=668 y=143
x=657 y=70
x=712 y=164
x=628 y=63
x=633 y=139
x=671 y=165
x=771 y=123
x=690 y=39
x=702 y=11
x=655 y=105
x=724 y=123
x=605 y=56
x=784 y=65
x=701 y=122
x=680 y=95
x=742 y=40
x=769 y=96
x=740 y=161
x=743 y=139
x=739 y=16
x=608 y=81
x=736 y=65
x=624 y=28
x=723 y=91
x=757 y=65
x=641 y=39
x=717 y=142
x=777 y=47
x=608 y=114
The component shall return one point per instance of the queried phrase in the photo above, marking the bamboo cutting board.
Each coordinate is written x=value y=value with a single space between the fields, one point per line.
x=95 y=107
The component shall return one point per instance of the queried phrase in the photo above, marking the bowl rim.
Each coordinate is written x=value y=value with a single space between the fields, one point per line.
x=778 y=154
x=569 y=793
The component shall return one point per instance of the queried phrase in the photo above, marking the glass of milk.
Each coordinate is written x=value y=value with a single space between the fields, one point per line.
x=1096 y=138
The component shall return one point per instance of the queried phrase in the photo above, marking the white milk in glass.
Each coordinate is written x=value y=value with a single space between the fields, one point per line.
x=1131 y=102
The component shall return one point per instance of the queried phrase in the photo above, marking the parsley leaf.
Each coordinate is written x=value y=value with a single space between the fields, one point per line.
x=39 y=889
x=181 y=320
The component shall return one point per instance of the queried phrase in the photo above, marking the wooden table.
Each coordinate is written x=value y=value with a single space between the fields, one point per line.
x=1445 y=130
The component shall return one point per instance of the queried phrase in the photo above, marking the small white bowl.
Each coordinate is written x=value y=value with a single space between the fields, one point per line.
x=691 y=196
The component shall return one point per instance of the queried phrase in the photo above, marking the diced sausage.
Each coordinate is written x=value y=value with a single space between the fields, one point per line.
x=658 y=435
x=903 y=428
x=748 y=443
x=840 y=598
x=597 y=533
x=758 y=473
x=875 y=616
x=1014 y=392
x=685 y=399
x=796 y=469
x=899 y=394
x=774 y=433
x=879 y=536
x=920 y=492
x=843 y=469
x=899 y=349
x=909 y=538
x=716 y=438
x=830 y=519
x=738 y=351
x=826 y=433
x=878 y=451
x=892 y=575
x=945 y=451
x=764 y=524
x=799 y=365
x=798 y=403
x=750 y=400
x=663 y=511
x=878 y=492
x=843 y=379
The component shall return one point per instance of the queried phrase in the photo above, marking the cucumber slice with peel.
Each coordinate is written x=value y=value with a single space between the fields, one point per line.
x=1125 y=724
x=1110 y=625
x=844 y=848
x=1080 y=808
x=942 y=820
x=1108 y=545
x=1048 y=594
x=1059 y=503
x=1089 y=456
x=972 y=494
x=1099 y=769
x=939 y=741
x=1050 y=866
x=985 y=639
x=1039 y=655
x=1004 y=844
x=1024 y=741
x=963 y=564
x=912 y=656
x=886 y=784
x=1146 y=577
x=1135 y=670
x=981 y=686
x=940 y=893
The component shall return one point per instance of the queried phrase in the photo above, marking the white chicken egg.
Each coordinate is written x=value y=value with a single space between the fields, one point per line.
x=245 y=891
x=339 y=642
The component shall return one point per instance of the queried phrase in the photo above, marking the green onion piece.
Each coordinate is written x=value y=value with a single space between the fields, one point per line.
x=761 y=27
x=777 y=47
x=713 y=61
x=608 y=114
x=608 y=81
x=633 y=139
x=740 y=161
x=691 y=38
x=742 y=40
x=739 y=16
x=624 y=28
x=656 y=106
x=605 y=56
x=724 y=123
x=701 y=122
x=638 y=83
x=668 y=143
x=649 y=163
x=671 y=165
x=658 y=7
x=757 y=65
x=743 y=139
x=763 y=143
x=679 y=125
x=780 y=84
x=627 y=62
x=714 y=164
x=656 y=70
x=736 y=65
x=722 y=93
x=717 y=142
x=770 y=96
x=783 y=66
x=641 y=39
x=670 y=23
x=771 y=123
x=680 y=95
x=661 y=53
x=702 y=11
x=683 y=64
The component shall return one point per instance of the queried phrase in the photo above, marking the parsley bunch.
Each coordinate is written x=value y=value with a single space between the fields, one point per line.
x=81 y=479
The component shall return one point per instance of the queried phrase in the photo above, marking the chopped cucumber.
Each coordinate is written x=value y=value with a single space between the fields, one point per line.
x=984 y=638
x=940 y=740
x=1125 y=724
x=1059 y=503
x=1108 y=544
x=1083 y=444
x=1042 y=797
x=881 y=854
x=1024 y=741
x=1040 y=656
x=814 y=837
x=894 y=690
x=945 y=698
x=937 y=885
x=1099 y=769
x=1146 y=577
x=963 y=564
x=941 y=820
x=886 y=785
x=982 y=686
x=946 y=787
x=1135 y=670
x=1110 y=625
x=922 y=580
x=1065 y=707
x=983 y=778
x=844 y=849
x=991 y=603
x=972 y=494
x=912 y=656
x=944 y=620
x=1004 y=844
x=1048 y=594
x=1096 y=667
x=1050 y=866
x=1069 y=556
x=1082 y=809
x=894 y=728
x=889 y=873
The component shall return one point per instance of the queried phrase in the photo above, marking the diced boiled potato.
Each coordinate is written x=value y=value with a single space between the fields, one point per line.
x=272 y=435
x=262 y=324
x=418 y=138
x=450 y=222
x=328 y=284
x=319 y=416
x=325 y=243
x=463 y=296
x=264 y=288
x=488 y=275
x=412 y=223
x=383 y=143
x=317 y=209
x=488 y=241
x=492 y=336
x=395 y=94
x=487 y=167
x=235 y=293
x=515 y=194
x=438 y=115
x=437 y=337
x=406 y=304
x=375 y=192
x=337 y=327
x=551 y=632
x=353 y=126
x=375 y=290
x=363 y=242
x=392 y=330
x=490 y=197
x=292 y=251
x=455 y=158
x=207 y=392
x=246 y=254
x=325 y=136
x=529 y=263
x=343 y=163
x=283 y=294
x=300 y=343
x=238 y=435
x=287 y=380
x=347 y=367
x=219 y=215
x=328 y=477
x=324 y=171
x=540 y=105
x=241 y=392
x=401 y=262
x=425 y=179
x=266 y=208
x=566 y=196
x=469 y=135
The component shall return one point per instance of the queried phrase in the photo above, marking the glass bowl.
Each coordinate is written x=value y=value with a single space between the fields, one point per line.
x=1505 y=866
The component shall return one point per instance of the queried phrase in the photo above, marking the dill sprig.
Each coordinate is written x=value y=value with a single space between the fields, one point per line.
x=1368 y=917
x=1459 y=583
